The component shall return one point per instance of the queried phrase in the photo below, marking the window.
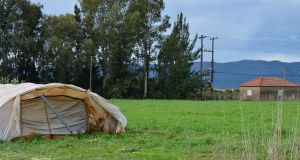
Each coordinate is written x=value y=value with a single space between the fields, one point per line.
x=280 y=92
x=249 y=92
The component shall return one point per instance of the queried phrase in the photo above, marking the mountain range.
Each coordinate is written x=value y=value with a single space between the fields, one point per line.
x=231 y=74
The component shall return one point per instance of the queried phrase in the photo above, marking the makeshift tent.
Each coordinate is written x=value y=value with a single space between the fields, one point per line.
x=55 y=109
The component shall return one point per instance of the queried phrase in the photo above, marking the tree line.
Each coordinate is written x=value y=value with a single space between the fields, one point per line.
x=135 y=50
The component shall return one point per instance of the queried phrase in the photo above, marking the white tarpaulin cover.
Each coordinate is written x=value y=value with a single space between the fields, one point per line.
x=23 y=112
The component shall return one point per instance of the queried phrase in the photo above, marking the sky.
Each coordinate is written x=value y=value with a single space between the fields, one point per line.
x=247 y=29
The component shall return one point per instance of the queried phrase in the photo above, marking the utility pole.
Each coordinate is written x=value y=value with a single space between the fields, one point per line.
x=91 y=70
x=212 y=64
x=201 y=62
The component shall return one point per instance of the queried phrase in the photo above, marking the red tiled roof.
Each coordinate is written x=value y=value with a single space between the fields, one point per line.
x=269 y=82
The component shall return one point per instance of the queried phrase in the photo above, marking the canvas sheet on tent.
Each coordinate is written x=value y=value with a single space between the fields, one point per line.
x=55 y=109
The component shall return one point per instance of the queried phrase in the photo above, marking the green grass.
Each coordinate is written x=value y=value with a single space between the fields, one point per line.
x=171 y=129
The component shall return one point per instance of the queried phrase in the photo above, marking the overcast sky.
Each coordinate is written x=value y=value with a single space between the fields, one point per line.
x=247 y=29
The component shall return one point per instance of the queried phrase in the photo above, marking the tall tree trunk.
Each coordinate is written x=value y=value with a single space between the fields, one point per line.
x=105 y=74
x=146 y=70
x=105 y=69
x=145 y=77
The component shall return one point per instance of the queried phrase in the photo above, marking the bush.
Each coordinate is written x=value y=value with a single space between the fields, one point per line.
x=7 y=80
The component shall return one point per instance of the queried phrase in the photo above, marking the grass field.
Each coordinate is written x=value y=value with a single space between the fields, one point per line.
x=175 y=129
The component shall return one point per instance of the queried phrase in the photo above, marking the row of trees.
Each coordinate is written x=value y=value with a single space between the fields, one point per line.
x=133 y=54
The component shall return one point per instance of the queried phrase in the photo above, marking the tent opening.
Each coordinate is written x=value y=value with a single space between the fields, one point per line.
x=57 y=115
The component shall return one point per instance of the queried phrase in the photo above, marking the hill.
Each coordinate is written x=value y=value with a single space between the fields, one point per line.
x=231 y=74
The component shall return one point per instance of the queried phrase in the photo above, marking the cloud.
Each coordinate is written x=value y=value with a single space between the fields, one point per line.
x=247 y=29
x=280 y=57
x=290 y=2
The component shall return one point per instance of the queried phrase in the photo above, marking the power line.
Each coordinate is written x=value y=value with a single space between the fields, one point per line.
x=245 y=74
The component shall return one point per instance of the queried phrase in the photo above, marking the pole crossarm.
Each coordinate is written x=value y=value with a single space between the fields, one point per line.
x=52 y=108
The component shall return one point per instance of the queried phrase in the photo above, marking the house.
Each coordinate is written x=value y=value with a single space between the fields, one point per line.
x=269 y=88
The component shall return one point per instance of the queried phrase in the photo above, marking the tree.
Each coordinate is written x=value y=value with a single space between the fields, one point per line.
x=106 y=23
x=20 y=41
x=57 y=62
x=84 y=48
x=125 y=38
x=150 y=26
x=7 y=17
x=175 y=60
